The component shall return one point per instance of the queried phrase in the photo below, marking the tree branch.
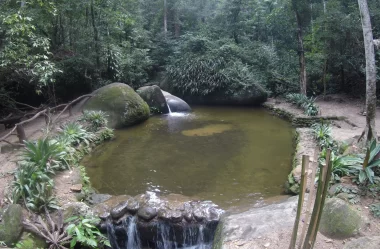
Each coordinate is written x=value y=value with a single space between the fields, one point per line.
x=43 y=112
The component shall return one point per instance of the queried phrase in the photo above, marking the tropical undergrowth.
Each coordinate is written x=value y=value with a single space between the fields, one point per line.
x=362 y=168
x=202 y=66
x=307 y=104
x=42 y=159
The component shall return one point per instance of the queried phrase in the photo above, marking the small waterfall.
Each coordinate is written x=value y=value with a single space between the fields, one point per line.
x=170 y=111
x=167 y=236
x=133 y=239
x=112 y=236
x=163 y=236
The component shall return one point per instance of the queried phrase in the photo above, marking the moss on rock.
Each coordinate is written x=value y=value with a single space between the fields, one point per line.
x=122 y=104
x=30 y=241
x=11 y=224
x=339 y=219
x=154 y=97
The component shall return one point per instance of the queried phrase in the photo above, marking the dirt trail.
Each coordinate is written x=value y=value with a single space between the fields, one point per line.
x=10 y=154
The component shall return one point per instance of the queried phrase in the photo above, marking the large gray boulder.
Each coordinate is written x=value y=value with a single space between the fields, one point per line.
x=339 y=220
x=122 y=104
x=364 y=242
x=11 y=224
x=176 y=104
x=250 y=227
x=154 y=97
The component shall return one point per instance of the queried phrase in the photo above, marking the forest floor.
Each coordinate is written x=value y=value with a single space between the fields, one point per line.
x=348 y=131
x=333 y=105
x=9 y=155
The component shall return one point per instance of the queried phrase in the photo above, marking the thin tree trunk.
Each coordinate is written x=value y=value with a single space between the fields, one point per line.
x=177 y=25
x=369 y=132
x=96 y=35
x=165 y=18
x=301 y=54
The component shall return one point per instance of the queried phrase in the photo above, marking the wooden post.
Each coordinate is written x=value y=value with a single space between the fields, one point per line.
x=20 y=133
x=305 y=166
x=47 y=116
x=311 y=195
x=324 y=175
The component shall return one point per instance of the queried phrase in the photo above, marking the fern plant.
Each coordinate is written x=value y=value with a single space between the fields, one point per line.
x=83 y=230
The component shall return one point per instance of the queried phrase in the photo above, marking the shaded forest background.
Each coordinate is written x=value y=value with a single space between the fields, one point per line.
x=53 y=51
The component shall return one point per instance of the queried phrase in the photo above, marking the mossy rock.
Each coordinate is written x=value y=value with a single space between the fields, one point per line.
x=30 y=241
x=339 y=220
x=122 y=104
x=154 y=97
x=11 y=224
x=291 y=186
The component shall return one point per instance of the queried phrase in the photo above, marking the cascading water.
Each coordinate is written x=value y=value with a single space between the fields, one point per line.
x=167 y=236
x=170 y=111
x=133 y=239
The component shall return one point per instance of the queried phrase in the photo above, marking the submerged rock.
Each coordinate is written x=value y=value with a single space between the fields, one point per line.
x=11 y=224
x=122 y=104
x=176 y=104
x=339 y=219
x=154 y=97
x=208 y=130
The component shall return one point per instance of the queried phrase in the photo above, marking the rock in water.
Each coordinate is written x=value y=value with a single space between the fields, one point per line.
x=339 y=220
x=176 y=104
x=122 y=104
x=154 y=97
x=364 y=242
x=11 y=224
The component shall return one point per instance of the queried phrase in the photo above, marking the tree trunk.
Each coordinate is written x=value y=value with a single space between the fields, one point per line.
x=301 y=55
x=165 y=18
x=177 y=25
x=96 y=35
x=370 y=131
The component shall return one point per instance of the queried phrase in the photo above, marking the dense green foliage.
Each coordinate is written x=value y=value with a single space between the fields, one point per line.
x=308 y=104
x=365 y=167
x=62 y=49
x=33 y=183
x=83 y=231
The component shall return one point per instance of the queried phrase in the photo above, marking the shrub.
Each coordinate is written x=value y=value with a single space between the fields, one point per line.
x=366 y=171
x=75 y=134
x=341 y=165
x=33 y=185
x=322 y=133
x=83 y=230
x=375 y=209
x=45 y=153
x=95 y=120
x=52 y=231
x=302 y=101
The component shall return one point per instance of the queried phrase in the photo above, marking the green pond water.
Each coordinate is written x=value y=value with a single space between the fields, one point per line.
x=231 y=156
